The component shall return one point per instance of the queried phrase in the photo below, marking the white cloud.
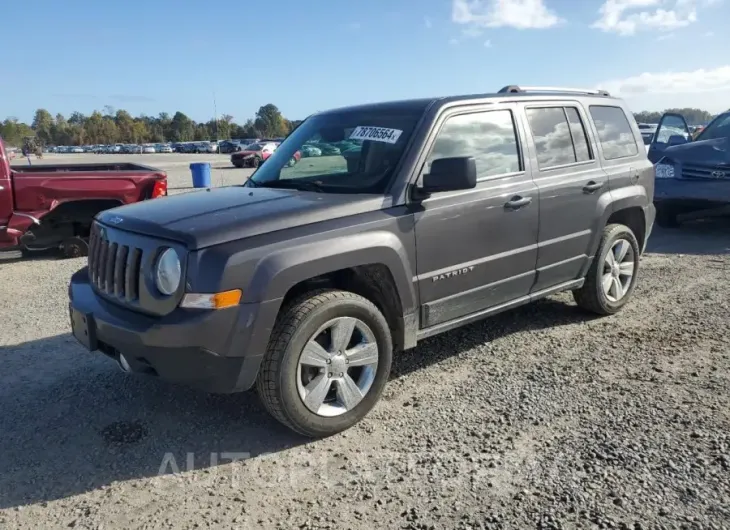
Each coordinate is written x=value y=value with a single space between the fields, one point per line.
x=626 y=17
x=519 y=14
x=695 y=82
x=427 y=22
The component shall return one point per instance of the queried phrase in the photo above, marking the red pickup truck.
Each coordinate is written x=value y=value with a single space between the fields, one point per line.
x=52 y=206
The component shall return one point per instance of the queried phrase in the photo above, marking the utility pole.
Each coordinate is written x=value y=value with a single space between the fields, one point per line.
x=215 y=113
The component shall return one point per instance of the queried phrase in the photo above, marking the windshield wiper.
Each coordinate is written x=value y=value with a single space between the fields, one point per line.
x=294 y=184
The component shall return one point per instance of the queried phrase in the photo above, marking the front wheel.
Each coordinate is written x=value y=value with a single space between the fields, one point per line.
x=256 y=162
x=327 y=363
x=612 y=276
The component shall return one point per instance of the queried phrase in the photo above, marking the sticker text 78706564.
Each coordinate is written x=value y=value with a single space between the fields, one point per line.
x=376 y=134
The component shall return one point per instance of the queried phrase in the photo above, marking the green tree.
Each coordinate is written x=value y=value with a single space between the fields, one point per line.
x=43 y=125
x=270 y=122
x=125 y=126
x=182 y=128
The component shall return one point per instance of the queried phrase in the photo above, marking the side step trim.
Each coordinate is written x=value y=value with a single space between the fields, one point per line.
x=480 y=315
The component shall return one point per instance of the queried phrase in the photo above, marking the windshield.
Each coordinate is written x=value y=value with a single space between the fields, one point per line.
x=341 y=152
x=718 y=128
x=254 y=147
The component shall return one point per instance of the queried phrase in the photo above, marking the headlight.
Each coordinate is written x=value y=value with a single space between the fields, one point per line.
x=167 y=272
x=664 y=171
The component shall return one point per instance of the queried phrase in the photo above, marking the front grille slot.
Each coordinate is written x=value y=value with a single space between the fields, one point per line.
x=696 y=171
x=114 y=268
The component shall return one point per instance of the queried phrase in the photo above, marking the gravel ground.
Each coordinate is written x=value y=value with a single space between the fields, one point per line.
x=542 y=417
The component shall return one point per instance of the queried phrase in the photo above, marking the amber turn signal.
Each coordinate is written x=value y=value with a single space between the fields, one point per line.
x=211 y=301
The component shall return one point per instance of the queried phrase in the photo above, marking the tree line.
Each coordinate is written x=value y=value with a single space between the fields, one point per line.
x=692 y=116
x=118 y=126
x=112 y=126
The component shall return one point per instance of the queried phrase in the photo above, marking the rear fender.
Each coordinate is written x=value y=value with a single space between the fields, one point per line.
x=620 y=199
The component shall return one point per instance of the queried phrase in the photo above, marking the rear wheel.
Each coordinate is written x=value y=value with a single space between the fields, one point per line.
x=255 y=162
x=327 y=363
x=612 y=276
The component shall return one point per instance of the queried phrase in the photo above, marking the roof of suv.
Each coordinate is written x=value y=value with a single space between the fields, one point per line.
x=509 y=91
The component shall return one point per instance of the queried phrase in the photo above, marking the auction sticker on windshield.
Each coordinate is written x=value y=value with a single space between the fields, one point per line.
x=376 y=134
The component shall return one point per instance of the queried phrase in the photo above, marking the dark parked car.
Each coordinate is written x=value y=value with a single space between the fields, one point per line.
x=305 y=280
x=692 y=175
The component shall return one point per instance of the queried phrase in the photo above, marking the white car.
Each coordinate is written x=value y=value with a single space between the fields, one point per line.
x=149 y=150
x=210 y=147
x=165 y=149
x=77 y=150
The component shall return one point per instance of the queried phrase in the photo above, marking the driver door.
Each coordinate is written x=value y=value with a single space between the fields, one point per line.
x=672 y=130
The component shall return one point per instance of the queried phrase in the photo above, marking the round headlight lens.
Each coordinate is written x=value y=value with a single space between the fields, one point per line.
x=167 y=273
x=664 y=171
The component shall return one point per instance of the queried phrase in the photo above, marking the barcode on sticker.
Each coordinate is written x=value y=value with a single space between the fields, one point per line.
x=376 y=134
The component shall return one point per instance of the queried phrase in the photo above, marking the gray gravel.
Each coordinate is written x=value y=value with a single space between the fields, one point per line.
x=543 y=417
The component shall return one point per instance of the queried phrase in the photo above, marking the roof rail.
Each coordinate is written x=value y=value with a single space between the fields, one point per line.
x=514 y=89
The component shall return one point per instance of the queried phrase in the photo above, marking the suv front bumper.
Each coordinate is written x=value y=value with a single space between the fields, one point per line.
x=202 y=349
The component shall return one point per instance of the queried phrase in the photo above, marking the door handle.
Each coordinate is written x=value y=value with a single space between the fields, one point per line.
x=592 y=186
x=517 y=202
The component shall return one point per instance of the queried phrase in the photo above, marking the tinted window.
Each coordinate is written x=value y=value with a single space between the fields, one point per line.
x=489 y=137
x=614 y=132
x=578 y=132
x=552 y=136
x=718 y=128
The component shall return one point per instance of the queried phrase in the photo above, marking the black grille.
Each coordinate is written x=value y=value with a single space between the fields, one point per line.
x=114 y=269
x=696 y=171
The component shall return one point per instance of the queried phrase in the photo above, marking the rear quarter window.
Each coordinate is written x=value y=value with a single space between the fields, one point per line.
x=614 y=132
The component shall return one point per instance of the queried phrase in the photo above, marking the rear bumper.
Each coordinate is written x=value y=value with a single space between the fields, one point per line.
x=202 y=349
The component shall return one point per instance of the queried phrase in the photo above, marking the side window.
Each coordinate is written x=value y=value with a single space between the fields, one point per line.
x=614 y=132
x=578 y=131
x=490 y=137
x=551 y=133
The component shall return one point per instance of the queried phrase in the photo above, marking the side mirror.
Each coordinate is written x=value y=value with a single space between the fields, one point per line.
x=450 y=174
x=677 y=139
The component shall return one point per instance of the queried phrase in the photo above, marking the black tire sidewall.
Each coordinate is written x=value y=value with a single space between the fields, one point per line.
x=295 y=410
x=616 y=233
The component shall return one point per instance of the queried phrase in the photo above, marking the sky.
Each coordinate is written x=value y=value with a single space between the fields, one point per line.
x=232 y=57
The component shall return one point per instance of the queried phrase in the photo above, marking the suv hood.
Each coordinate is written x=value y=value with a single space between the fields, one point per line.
x=715 y=152
x=205 y=218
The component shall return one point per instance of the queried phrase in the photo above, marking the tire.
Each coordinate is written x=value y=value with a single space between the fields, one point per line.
x=592 y=296
x=75 y=247
x=666 y=217
x=256 y=162
x=280 y=381
x=292 y=162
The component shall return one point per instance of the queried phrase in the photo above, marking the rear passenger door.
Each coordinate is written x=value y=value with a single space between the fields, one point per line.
x=476 y=249
x=572 y=185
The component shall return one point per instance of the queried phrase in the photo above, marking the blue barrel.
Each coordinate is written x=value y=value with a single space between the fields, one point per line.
x=201 y=174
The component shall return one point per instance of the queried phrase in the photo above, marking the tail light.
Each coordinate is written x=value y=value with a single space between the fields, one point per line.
x=159 y=189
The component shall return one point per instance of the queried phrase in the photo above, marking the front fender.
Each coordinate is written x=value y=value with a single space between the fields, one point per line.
x=280 y=271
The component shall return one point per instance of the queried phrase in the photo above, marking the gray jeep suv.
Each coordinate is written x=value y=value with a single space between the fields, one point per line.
x=420 y=216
